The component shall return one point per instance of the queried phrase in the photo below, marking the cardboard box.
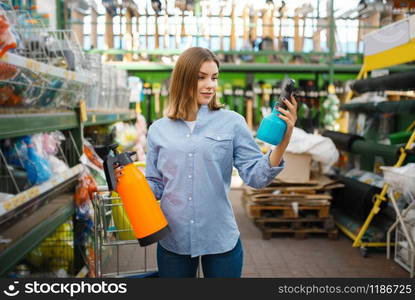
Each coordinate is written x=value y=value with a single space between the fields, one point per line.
x=297 y=168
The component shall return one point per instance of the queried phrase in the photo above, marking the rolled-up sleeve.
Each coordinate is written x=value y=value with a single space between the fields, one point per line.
x=153 y=176
x=253 y=167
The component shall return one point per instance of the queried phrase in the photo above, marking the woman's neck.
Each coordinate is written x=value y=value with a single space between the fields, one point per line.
x=193 y=114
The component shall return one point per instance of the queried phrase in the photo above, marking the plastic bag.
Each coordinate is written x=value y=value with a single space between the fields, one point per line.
x=7 y=40
x=37 y=168
x=322 y=149
x=85 y=189
x=92 y=156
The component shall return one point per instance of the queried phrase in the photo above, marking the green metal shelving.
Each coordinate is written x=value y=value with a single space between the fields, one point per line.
x=403 y=107
x=15 y=125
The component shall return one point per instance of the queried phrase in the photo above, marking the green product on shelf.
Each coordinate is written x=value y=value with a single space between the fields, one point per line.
x=228 y=95
x=399 y=137
x=386 y=151
x=145 y=104
x=239 y=101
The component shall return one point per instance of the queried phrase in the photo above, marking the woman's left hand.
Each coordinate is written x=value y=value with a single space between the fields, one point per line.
x=290 y=115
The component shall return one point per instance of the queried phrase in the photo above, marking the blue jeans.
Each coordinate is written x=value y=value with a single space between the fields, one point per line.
x=222 y=265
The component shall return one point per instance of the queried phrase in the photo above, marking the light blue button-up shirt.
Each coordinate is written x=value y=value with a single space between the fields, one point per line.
x=191 y=173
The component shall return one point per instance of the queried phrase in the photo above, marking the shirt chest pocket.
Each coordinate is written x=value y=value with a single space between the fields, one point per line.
x=217 y=146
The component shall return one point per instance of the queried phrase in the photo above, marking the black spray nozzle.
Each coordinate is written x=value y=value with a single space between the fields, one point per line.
x=112 y=162
x=287 y=90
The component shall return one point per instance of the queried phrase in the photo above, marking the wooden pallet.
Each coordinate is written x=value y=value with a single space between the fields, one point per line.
x=299 y=233
x=286 y=211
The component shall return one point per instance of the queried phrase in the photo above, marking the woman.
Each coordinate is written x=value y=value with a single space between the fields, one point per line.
x=190 y=157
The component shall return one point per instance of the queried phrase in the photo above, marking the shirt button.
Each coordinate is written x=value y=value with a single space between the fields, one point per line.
x=188 y=135
x=190 y=154
x=190 y=198
x=190 y=176
x=191 y=221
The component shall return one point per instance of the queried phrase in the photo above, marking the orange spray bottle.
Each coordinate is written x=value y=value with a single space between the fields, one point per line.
x=147 y=220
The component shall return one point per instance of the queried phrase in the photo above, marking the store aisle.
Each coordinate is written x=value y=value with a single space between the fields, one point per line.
x=311 y=257
x=280 y=256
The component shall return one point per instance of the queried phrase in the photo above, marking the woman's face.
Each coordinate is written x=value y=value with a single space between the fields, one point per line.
x=207 y=82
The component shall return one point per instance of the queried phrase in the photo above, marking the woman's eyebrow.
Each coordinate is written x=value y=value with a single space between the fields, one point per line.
x=203 y=73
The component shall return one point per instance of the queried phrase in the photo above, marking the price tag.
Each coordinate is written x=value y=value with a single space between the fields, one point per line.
x=82 y=111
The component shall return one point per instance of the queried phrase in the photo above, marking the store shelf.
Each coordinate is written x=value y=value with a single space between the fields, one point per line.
x=14 y=125
x=25 y=236
x=99 y=118
x=36 y=66
x=260 y=67
x=39 y=190
x=404 y=106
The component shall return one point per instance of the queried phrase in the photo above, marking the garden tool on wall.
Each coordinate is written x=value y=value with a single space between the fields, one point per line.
x=156 y=92
x=233 y=26
x=146 y=217
x=272 y=128
x=268 y=22
x=249 y=95
x=283 y=15
x=147 y=91
x=238 y=100
x=156 y=5
x=166 y=43
x=205 y=21
x=222 y=5
x=228 y=95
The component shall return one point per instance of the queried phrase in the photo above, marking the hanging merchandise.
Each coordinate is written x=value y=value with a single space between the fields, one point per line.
x=135 y=85
x=228 y=96
x=272 y=128
x=94 y=163
x=47 y=145
x=125 y=135
x=110 y=7
x=7 y=40
x=330 y=112
x=23 y=154
x=141 y=127
x=144 y=213
x=49 y=94
x=85 y=189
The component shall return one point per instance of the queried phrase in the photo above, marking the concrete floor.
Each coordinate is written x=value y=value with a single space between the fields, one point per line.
x=281 y=256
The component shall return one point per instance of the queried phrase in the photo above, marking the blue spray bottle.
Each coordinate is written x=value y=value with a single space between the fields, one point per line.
x=272 y=128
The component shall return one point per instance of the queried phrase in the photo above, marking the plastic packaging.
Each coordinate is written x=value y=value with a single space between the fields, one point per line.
x=7 y=40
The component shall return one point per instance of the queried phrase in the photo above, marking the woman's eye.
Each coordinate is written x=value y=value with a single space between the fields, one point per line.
x=201 y=78
x=215 y=78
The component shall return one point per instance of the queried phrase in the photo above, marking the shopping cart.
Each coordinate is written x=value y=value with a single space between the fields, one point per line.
x=404 y=226
x=117 y=251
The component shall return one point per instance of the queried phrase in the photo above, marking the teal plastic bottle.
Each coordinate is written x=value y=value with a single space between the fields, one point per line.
x=272 y=128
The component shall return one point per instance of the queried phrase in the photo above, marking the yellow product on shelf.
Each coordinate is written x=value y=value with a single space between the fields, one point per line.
x=121 y=221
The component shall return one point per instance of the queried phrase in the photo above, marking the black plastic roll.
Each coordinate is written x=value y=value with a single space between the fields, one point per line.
x=356 y=198
x=388 y=152
x=395 y=82
x=343 y=141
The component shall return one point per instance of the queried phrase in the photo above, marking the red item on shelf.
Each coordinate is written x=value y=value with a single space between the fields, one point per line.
x=7 y=71
x=7 y=40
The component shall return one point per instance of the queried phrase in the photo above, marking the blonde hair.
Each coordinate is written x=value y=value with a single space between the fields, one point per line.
x=183 y=83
